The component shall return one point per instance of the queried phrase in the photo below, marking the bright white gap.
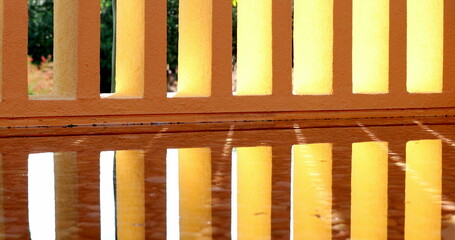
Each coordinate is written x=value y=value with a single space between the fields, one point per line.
x=234 y=217
x=292 y=194
x=41 y=196
x=107 y=195
x=172 y=195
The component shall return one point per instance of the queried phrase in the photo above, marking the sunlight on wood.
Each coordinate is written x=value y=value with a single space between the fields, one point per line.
x=195 y=188
x=369 y=190
x=254 y=188
x=130 y=194
x=423 y=190
x=312 y=191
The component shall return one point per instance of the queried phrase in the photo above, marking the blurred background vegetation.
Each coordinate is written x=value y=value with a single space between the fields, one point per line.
x=40 y=42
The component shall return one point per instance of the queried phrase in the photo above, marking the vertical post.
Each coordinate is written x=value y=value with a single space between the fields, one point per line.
x=130 y=43
x=66 y=194
x=449 y=47
x=195 y=185
x=254 y=189
x=155 y=49
x=130 y=194
x=89 y=226
x=222 y=49
x=397 y=47
x=254 y=47
x=369 y=190
x=423 y=189
x=88 y=49
x=312 y=208
x=342 y=48
x=281 y=47
x=195 y=48
x=14 y=45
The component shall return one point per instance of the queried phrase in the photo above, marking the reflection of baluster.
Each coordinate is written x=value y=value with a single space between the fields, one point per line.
x=89 y=195
x=130 y=194
x=369 y=190
x=221 y=193
x=254 y=170
x=15 y=201
x=281 y=188
x=341 y=175
x=423 y=190
x=312 y=191
x=66 y=195
x=155 y=193
x=396 y=188
x=195 y=186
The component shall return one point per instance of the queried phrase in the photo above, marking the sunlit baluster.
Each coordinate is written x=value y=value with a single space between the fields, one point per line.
x=369 y=190
x=130 y=194
x=313 y=47
x=195 y=186
x=130 y=40
x=89 y=226
x=66 y=195
x=425 y=30
x=14 y=45
x=254 y=191
x=155 y=193
x=254 y=48
x=423 y=190
x=195 y=48
x=312 y=191
x=370 y=46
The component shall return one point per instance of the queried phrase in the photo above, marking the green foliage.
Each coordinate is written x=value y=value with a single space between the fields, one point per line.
x=40 y=29
x=107 y=37
x=172 y=34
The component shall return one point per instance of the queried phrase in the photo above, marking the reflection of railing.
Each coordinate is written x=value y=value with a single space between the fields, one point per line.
x=364 y=56
x=403 y=177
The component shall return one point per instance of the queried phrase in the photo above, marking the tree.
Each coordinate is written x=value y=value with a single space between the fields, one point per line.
x=40 y=29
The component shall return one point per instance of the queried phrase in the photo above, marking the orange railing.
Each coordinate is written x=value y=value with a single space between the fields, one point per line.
x=348 y=55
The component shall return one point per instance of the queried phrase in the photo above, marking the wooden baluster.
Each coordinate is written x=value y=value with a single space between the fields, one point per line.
x=155 y=49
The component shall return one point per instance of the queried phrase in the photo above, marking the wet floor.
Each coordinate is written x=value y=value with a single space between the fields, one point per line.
x=351 y=182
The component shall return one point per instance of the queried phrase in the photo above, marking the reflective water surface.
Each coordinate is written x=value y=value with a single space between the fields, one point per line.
x=357 y=182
